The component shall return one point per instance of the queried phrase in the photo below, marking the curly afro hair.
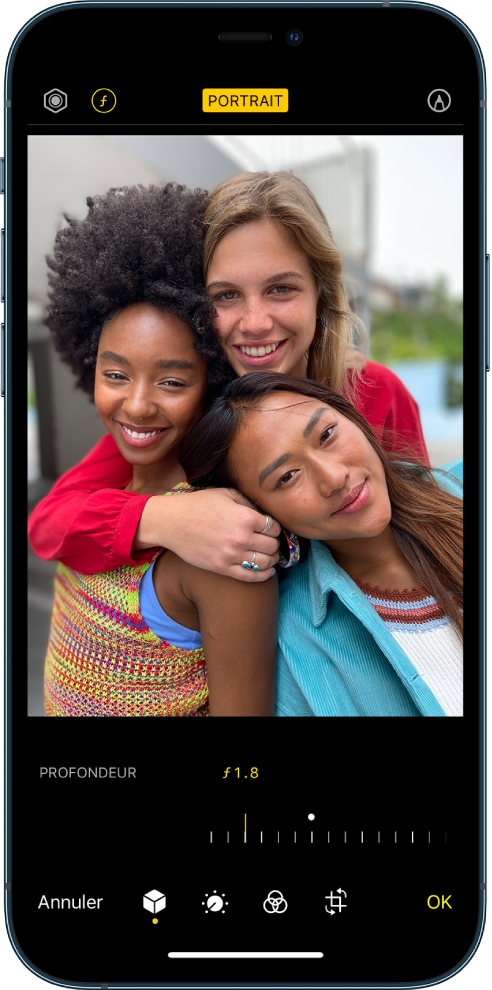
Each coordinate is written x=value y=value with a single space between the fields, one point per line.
x=136 y=244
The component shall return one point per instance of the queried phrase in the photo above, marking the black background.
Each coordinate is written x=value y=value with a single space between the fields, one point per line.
x=474 y=14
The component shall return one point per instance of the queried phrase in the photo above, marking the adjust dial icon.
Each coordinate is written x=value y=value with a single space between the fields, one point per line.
x=215 y=902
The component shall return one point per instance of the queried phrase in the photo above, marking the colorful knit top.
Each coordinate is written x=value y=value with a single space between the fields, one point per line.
x=102 y=658
x=428 y=637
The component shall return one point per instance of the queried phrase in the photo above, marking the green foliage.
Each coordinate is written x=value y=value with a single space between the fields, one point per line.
x=433 y=329
x=31 y=398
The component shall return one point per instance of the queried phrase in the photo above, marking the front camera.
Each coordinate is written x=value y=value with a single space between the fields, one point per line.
x=294 y=37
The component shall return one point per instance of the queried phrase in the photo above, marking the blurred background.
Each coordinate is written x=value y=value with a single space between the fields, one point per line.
x=394 y=204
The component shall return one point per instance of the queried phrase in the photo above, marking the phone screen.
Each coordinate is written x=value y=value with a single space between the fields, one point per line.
x=203 y=235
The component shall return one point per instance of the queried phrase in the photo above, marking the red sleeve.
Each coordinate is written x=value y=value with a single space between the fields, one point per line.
x=86 y=521
x=390 y=409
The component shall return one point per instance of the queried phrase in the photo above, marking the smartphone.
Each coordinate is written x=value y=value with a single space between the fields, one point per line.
x=182 y=850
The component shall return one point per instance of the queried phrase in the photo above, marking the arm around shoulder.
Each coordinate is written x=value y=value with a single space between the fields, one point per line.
x=86 y=520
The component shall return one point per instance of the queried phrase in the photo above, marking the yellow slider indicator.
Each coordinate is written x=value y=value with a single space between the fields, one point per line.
x=245 y=100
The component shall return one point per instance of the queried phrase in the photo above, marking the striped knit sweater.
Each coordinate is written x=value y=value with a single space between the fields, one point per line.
x=102 y=658
x=426 y=634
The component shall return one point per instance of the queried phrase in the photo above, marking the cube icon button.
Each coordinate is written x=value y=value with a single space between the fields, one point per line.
x=154 y=901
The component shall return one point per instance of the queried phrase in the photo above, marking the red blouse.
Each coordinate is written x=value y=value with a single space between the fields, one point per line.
x=88 y=523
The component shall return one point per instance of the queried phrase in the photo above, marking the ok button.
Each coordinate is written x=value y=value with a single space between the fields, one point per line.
x=435 y=901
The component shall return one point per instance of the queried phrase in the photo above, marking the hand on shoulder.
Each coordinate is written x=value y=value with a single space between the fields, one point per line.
x=213 y=529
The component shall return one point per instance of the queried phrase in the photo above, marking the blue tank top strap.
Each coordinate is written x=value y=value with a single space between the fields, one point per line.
x=161 y=624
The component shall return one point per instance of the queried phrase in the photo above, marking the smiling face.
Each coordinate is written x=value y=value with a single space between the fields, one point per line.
x=265 y=297
x=311 y=468
x=150 y=382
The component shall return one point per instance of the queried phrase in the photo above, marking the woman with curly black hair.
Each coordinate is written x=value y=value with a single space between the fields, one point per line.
x=135 y=244
x=138 y=245
x=129 y=314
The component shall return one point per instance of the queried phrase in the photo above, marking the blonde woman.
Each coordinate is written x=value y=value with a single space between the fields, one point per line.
x=274 y=275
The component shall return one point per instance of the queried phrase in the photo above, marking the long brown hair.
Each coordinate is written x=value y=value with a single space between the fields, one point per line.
x=285 y=200
x=427 y=520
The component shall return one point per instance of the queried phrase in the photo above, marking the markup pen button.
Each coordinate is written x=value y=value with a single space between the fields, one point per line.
x=245 y=100
x=103 y=100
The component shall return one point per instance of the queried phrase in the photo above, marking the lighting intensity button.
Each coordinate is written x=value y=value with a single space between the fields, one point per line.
x=55 y=100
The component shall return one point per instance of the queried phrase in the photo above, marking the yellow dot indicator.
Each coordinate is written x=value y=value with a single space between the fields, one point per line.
x=103 y=100
x=155 y=921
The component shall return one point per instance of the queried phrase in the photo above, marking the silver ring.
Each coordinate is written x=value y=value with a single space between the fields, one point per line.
x=268 y=524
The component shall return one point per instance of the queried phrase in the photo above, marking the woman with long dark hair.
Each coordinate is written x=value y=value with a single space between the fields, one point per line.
x=371 y=620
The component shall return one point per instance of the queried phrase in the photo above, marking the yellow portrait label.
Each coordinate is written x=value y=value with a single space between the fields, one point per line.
x=245 y=100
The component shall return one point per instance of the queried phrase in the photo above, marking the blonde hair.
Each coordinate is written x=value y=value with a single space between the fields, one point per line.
x=285 y=200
